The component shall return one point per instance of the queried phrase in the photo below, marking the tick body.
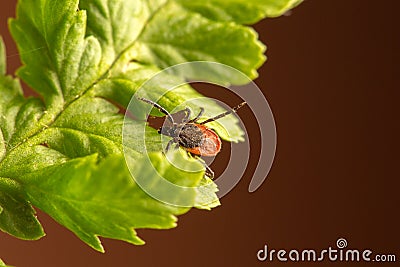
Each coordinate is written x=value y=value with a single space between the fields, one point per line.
x=210 y=144
x=190 y=134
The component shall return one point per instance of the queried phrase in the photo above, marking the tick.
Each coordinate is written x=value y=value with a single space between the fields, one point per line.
x=190 y=134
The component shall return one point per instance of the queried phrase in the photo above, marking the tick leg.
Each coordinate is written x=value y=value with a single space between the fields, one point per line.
x=224 y=114
x=177 y=146
x=169 y=145
x=160 y=108
x=198 y=115
x=172 y=141
x=208 y=172
x=188 y=112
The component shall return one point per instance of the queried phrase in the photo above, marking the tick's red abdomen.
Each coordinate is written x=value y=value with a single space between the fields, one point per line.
x=210 y=146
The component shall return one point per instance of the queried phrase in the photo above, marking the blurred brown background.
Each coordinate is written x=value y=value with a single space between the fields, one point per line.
x=332 y=80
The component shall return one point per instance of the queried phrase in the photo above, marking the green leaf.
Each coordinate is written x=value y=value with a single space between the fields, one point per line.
x=103 y=200
x=206 y=197
x=19 y=116
x=3 y=59
x=243 y=12
x=63 y=152
x=115 y=24
x=50 y=163
x=165 y=33
x=59 y=62
x=53 y=182
x=2 y=264
x=17 y=217
x=174 y=35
